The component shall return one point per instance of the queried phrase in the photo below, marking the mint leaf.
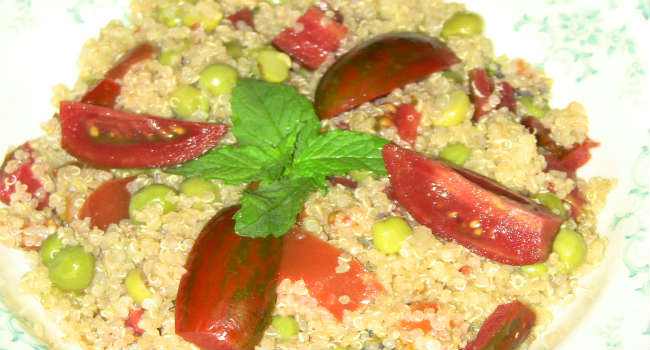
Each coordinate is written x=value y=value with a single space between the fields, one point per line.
x=234 y=165
x=272 y=208
x=265 y=114
x=338 y=152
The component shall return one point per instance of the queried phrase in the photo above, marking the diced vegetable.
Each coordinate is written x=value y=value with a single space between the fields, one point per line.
x=218 y=79
x=25 y=175
x=463 y=24
x=337 y=284
x=148 y=195
x=532 y=109
x=226 y=297
x=108 y=204
x=543 y=136
x=572 y=159
x=273 y=65
x=407 y=119
x=455 y=110
x=245 y=15
x=50 y=247
x=117 y=139
x=286 y=326
x=506 y=328
x=483 y=87
x=571 y=248
x=312 y=39
x=134 y=317
x=72 y=269
x=205 y=190
x=136 y=286
x=389 y=234
x=456 y=153
x=187 y=100
x=170 y=16
x=475 y=211
x=424 y=325
x=552 y=202
x=377 y=67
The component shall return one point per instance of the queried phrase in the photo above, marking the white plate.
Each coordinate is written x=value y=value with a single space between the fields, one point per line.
x=596 y=50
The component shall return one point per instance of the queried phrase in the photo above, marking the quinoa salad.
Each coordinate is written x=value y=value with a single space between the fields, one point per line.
x=298 y=174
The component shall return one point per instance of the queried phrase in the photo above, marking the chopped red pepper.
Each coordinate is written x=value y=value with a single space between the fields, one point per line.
x=245 y=15
x=572 y=159
x=483 y=87
x=226 y=297
x=377 y=67
x=105 y=92
x=119 y=139
x=25 y=175
x=308 y=258
x=134 y=317
x=108 y=204
x=407 y=119
x=471 y=209
x=312 y=39
x=506 y=328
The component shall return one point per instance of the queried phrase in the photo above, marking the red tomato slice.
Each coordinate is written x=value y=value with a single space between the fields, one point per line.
x=482 y=88
x=308 y=258
x=506 y=328
x=471 y=209
x=25 y=175
x=108 y=204
x=105 y=92
x=407 y=120
x=312 y=39
x=244 y=15
x=117 y=139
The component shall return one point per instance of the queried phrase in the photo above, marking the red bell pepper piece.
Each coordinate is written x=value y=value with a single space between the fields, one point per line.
x=244 y=15
x=312 y=39
x=25 y=175
x=134 y=317
x=119 y=139
x=506 y=328
x=108 y=204
x=308 y=258
x=471 y=209
x=105 y=92
x=407 y=119
x=377 y=67
x=482 y=88
x=226 y=297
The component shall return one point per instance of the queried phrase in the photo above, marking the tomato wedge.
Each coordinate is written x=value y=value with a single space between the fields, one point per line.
x=107 y=137
x=506 y=328
x=471 y=209
x=25 y=175
x=106 y=91
x=308 y=258
x=226 y=297
x=108 y=204
x=407 y=120
x=377 y=67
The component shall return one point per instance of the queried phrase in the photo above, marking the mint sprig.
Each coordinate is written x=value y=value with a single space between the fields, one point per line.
x=280 y=144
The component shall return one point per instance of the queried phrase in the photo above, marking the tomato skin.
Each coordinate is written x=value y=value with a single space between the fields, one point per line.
x=377 y=67
x=319 y=37
x=506 y=328
x=407 y=120
x=26 y=176
x=475 y=211
x=141 y=141
x=482 y=87
x=308 y=258
x=108 y=204
x=244 y=15
x=226 y=297
x=105 y=92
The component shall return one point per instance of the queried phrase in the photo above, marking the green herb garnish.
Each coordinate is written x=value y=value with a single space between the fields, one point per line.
x=280 y=144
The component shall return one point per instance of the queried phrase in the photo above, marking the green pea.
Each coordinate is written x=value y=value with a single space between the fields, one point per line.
x=455 y=111
x=50 y=247
x=532 y=109
x=136 y=286
x=535 y=269
x=389 y=234
x=552 y=202
x=273 y=65
x=456 y=153
x=148 y=195
x=360 y=175
x=72 y=269
x=187 y=100
x=169 y=16
x=234 y=49
x=464 y=24
x=571 y=248
x=199 y=187
x=218 y=79
x=286 y=326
